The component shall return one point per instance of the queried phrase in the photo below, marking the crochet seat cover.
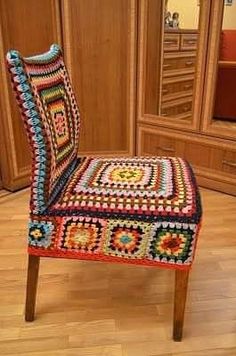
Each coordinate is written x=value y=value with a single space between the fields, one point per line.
x=139 y=210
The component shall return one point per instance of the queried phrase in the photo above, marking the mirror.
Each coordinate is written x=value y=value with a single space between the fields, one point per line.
x=225 y=104
x=171 y=51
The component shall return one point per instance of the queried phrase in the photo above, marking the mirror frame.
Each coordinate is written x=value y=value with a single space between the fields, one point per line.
x=194 y=123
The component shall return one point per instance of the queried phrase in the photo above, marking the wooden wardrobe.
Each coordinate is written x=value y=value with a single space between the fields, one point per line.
x=29 y=26
x=143 y=87
x=183 y=65
x=99 y=40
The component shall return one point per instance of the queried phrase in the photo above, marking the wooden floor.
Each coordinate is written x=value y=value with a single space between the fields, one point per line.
x=91 y=309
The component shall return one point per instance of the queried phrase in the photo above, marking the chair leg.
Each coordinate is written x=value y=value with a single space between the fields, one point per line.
x=181 y=286
x=31 y=290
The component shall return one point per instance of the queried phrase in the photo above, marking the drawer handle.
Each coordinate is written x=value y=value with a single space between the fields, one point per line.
x=167 y=149
x=170 y=42
x=166 y=65
x=165 y=91
x=189 y=63
x=186 y=108
x=187 y=86
x=191 y=41
x=229 y=163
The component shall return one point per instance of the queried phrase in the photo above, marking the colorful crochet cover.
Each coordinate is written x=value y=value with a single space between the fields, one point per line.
x=140 y=210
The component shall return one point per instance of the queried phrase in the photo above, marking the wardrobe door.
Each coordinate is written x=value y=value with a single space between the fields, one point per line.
x=99 y=38
x=30 y=27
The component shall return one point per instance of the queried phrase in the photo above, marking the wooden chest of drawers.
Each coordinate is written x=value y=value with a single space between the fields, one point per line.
x=178 y=71
x=178 y=68
x=213 y=160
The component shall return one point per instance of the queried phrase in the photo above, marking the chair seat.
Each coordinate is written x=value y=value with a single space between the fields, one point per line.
x=141 y=210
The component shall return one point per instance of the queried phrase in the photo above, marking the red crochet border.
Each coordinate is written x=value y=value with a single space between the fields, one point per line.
x=102 y=258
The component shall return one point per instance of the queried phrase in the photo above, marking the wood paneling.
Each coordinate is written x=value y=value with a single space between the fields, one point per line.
x=30 y=27
x=99 y=44
x=102 y=309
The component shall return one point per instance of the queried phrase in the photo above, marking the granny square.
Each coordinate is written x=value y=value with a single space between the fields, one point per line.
x=83 y=234
x=172 y=242
x=126 y=239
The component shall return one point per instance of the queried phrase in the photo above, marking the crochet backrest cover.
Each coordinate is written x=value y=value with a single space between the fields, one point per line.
x=51 y=117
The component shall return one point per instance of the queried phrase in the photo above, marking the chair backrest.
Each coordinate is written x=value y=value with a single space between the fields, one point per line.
x=51 y=117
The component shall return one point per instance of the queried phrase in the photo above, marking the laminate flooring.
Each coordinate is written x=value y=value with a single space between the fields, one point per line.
x=101 y=309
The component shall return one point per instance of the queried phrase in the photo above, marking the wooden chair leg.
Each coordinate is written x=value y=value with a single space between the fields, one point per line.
x=31 y=290
x=181 y=286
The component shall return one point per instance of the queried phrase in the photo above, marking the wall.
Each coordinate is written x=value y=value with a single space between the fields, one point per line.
x=229 y=19
x=188 y=12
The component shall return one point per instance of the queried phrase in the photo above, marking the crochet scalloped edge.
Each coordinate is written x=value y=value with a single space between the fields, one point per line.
x=14 y=57
x=31 y=119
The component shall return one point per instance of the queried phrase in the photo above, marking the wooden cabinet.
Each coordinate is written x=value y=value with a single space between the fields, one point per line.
x=178 y=66
x=184 y=125
x=99 y=42
x=29 y=26
x=213 y=159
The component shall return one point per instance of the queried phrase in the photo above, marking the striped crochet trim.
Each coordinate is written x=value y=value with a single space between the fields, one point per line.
x=31 y=121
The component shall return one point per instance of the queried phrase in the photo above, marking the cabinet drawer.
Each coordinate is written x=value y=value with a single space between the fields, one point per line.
x=177 y=107
x=227 y=161
x=176 y=87
x=206 y=157
x=158 y=145
x=188 y=42
x=178 y=63
x=171 y=42
x=216 y=159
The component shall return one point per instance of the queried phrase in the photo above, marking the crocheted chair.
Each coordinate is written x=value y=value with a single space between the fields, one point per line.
x=142 y=211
